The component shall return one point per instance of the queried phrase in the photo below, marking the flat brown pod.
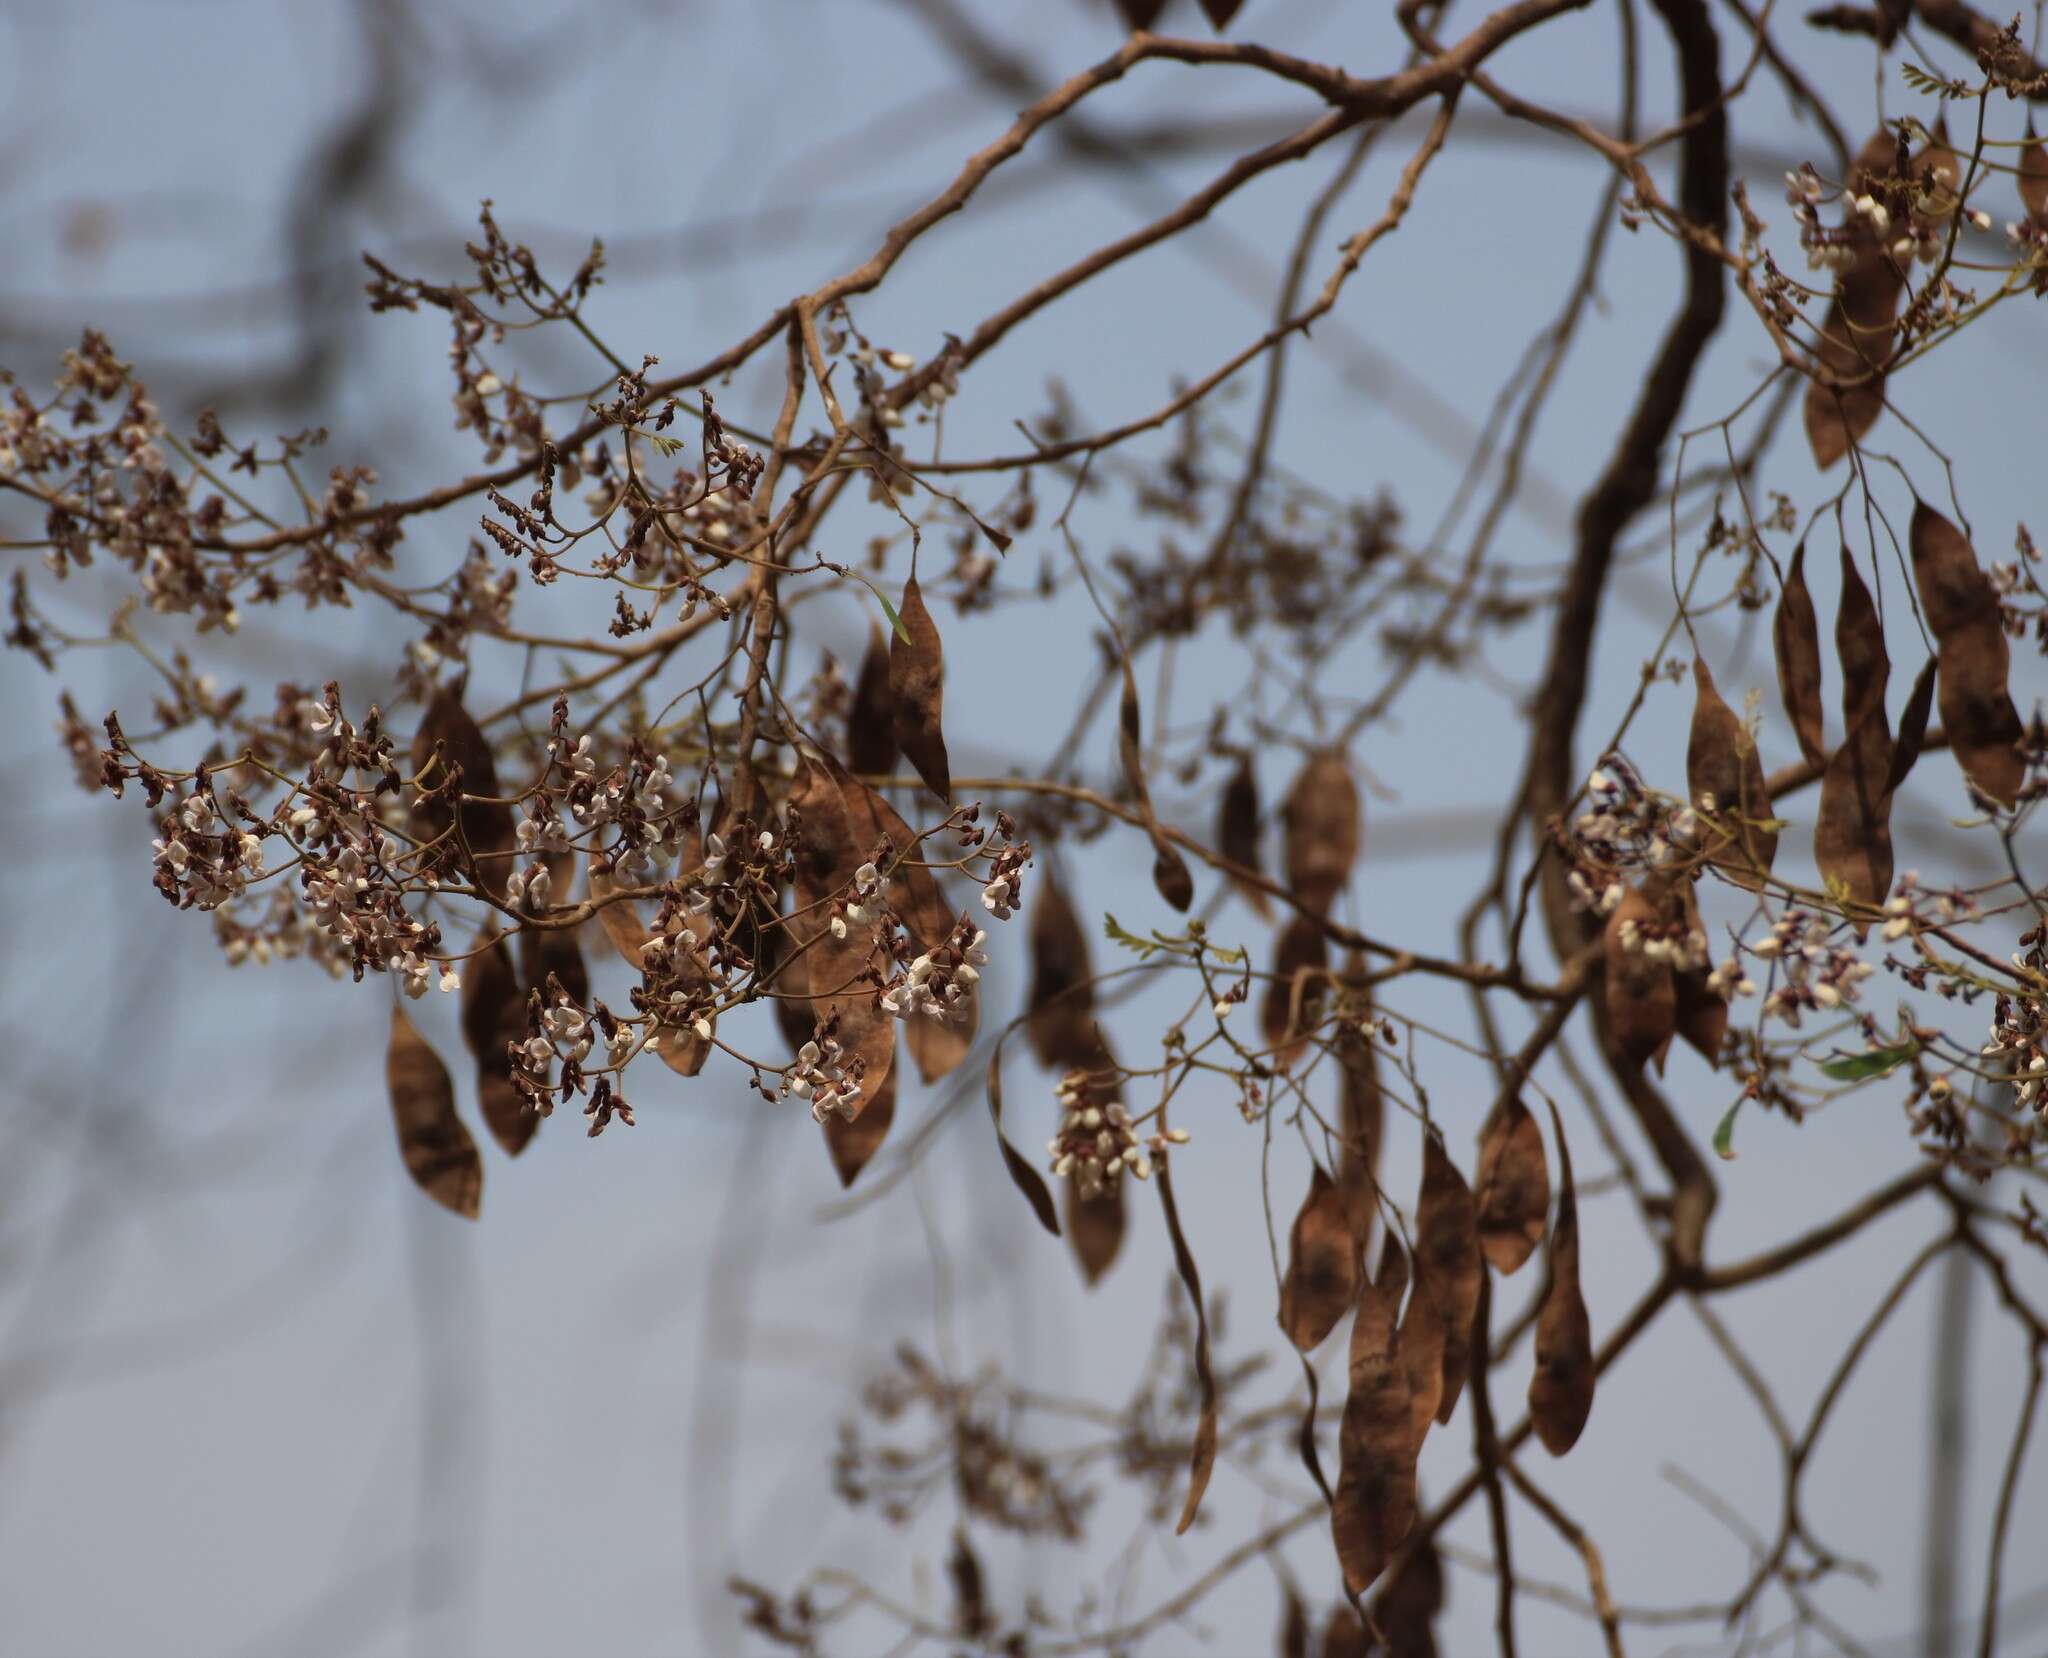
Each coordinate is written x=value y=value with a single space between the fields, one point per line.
x=1408 y=1603
x=1362 y=1110
x=1060 y=1018
x=1292 y=1004
x=871 y=721
x=1642 y=1000
x=1169 y=869
x=1375 y=1502
x=917 y=690
x=1422 y=1355
x=1237 y=831
x=1912 y=734
x=2034 y=176
x=1795 y=633
x=1856 y=345
x=438 y=1151
x=1220 y=12
x=545 y=950
x=619 y=918
x=1852 y=840
x=1203 y=1461
x=1095 y=1227
x=1975 y=661
x=485 y=826
x=1323 y=1262
x=1561 y=1390
x=494 y=1015
x=853 y=1144
x=840 y=985
x=1722 y=766
x=1140 y=14
x=1512 y=1190
x=1022 y=1175
x=1702 y=1016
x=1448 y=1259
x=1344 y=1636
x=1323 y=830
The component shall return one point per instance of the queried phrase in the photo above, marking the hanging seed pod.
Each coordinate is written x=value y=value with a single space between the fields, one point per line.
x=1796 y=635
x=1361 y=1116
x=2033 y=180
x=917 y=688
x=1448 y=1259
x=1642 y=1000
x=481 y=823
x=787 y=975
x=545 y=950
x=1061 y=1019
x=853 y=1144
x=1293 y=1001
x=438 y=1151
x=1912 y=735
x=1220 y=12
x=1858 y=339
x=1974 y=658
x=1323 y=830
x=1323 y=1262
x=1169 y=869
x=1407 y=1605
x=1022 y=1175
x=679 y=1047
x=1237 y=832
x=1203 y=1462
x=871 y=721
x=1344 y=1636
x=842 y=974
x=1513 y=1189
x=1140 y=14
x=619 y=918
x=1375 y=1506
x=493 y=1016
x=1725 y=775
x=1561 y=1390
x=1852 y=841
x=1422 y=1356
x=1095 y=1227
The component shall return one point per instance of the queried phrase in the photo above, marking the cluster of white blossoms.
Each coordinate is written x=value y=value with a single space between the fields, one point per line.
x=1097 y=1140
x=201 y=860
x=1685 y=948
x=1815 y=972
x=819 y=1076
x=1625 y=830
x=940 y=983
x=1003 y=891
x=2019 y=1043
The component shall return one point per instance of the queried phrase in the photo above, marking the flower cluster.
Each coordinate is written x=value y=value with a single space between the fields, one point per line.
x=940 y=983
x=1811 y=971
x=1626 y=830
x=202 y=860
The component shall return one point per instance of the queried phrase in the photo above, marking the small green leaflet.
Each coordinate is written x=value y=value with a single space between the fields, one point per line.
x=1114 y=930
x=895 y=622
x=1862 y=1067
x=1724 y=1133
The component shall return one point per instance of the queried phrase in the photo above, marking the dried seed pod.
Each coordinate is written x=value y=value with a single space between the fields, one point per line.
x=1061 y=1019
x=852 y=1144
x=1422 y=1355
x=1344 y=1635
x=438 y=1151
x=1361 y=1117
x=1169 y=869
x=1725 y=775
x=493 y=1016
x=871 y=721
x=1974 y=658
x=680 y=1048
x=485 y=826
x=1852 y=840
x=1095 y=1227
x=1140 y=14
x=1323 y=1262
x=1702 y=1015
x=1323 y=830
x=1022 y=1175
x=842 y=973
x=1858 y=339
x=1407 y=1605
x=917 y=688
x=1237 y=831
x=1912 y=726
x=1292 y=1004
x=1561 y=1390
x=1796 y=634
x=619 y=917
x=1448 y=1259
x=1203 y=1462
x=1220 y=12
x=1375 y=1504
x=1642 y=1000
x=2033 y=180
x=1513 y=1189
x=545 y=950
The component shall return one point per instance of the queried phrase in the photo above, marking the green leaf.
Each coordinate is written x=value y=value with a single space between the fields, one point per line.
x=1114 y=930
x=1878 y=1062
x=895 y=621
x=1724 y=1134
